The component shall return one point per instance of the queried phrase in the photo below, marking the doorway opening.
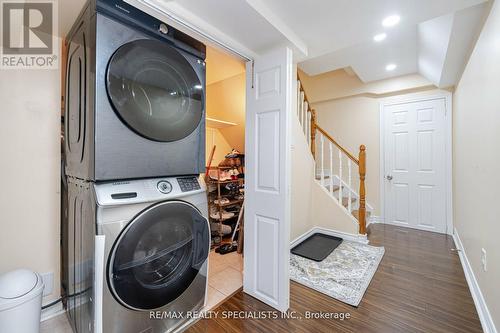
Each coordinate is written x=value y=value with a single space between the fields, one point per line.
x=225 y=176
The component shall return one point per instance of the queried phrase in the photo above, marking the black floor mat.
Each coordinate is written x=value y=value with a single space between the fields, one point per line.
x=317 y=247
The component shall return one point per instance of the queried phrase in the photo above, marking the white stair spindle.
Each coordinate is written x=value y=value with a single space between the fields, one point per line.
x=304 y=120
x=340 y=177
x=308 y=129
x=298 y=98
x=322 y=142
x=330 y=148
x=301 y=119
x=349 y=205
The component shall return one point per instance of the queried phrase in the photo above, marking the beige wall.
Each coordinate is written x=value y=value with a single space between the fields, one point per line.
x=476 y=159
x=226 y=101
x=30 y=165
x=353 y=122
x=30 y=156
x=215 y=138
x=311 y=205
x=221 y=65
x=302 y=176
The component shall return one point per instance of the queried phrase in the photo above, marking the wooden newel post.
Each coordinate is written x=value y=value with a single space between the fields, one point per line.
x=362 y=190
x=313 y=133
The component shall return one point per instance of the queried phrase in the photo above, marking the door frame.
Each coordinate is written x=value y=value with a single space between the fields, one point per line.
x=448 y=98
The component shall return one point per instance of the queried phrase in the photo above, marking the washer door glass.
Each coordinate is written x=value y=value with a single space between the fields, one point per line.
x=155 y=90
x=158 y=255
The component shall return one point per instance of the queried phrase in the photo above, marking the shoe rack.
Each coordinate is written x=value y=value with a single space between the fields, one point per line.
x=220 y=199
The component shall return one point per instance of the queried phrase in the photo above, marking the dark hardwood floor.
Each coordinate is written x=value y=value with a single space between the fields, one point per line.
x=419 y=287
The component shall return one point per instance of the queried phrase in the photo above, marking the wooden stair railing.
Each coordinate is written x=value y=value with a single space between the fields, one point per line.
x=313 y=132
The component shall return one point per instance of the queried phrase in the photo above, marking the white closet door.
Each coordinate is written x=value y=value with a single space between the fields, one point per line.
x=268 y=164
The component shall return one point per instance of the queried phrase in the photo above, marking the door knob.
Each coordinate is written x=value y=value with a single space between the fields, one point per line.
x=389 y=177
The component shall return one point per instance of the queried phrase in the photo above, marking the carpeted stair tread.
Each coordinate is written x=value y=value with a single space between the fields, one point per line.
x=345 y=201
x=335 y=188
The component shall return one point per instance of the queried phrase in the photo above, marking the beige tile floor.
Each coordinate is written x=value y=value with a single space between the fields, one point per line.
x=225 y=277
x=58 y=324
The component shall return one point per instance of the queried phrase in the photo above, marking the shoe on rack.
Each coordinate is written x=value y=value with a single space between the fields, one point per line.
x=214 y=174
x=223 y=201
x=225 y=229
x=217 y=216
x=233 y=154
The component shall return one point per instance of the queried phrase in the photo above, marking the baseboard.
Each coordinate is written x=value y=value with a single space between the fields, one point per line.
x=481 y=307
x=301 y=238
x=344 y=235
x=52 y=312
x=375 y=220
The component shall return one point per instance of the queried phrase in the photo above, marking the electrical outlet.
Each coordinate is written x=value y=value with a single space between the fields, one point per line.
x=48 y=281
x=483 y=260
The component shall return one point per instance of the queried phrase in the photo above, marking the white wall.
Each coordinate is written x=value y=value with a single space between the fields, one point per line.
x=476 y=159
x=30 y=156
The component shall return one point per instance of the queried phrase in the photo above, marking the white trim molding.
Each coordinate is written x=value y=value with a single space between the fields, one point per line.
x=374 y=220
x=442 y=94
x=481 y=307
x=330 y=232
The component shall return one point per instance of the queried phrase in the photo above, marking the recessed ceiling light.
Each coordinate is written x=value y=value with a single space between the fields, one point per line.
x=390 y=67
x=391 y=21
x=379 y=37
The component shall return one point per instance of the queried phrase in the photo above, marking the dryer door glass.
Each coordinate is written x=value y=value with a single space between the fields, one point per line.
x=155 y=90
x=158 y=255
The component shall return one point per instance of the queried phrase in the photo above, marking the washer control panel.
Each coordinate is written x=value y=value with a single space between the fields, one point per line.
x=188 y=184
x=164 y=186
x=147 y=190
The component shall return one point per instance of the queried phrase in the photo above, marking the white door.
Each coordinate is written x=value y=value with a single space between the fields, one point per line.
x=267 y=178
x=415 y=169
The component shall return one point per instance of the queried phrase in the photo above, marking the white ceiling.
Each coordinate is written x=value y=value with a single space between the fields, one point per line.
x=345 y=34
x=433 y=38
x=330 y=34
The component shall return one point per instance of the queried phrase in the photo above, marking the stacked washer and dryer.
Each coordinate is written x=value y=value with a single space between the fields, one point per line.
x=137 y=235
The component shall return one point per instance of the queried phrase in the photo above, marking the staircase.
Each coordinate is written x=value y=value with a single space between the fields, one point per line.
x=338 y=171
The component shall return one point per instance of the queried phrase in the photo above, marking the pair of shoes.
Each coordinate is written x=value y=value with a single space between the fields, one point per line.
x=216 y=215
x=226 y=248
x=233 y=173
x=223 y=201
x=224 y=229
x=224 y=175
x=215 y=240
x=233 y=154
